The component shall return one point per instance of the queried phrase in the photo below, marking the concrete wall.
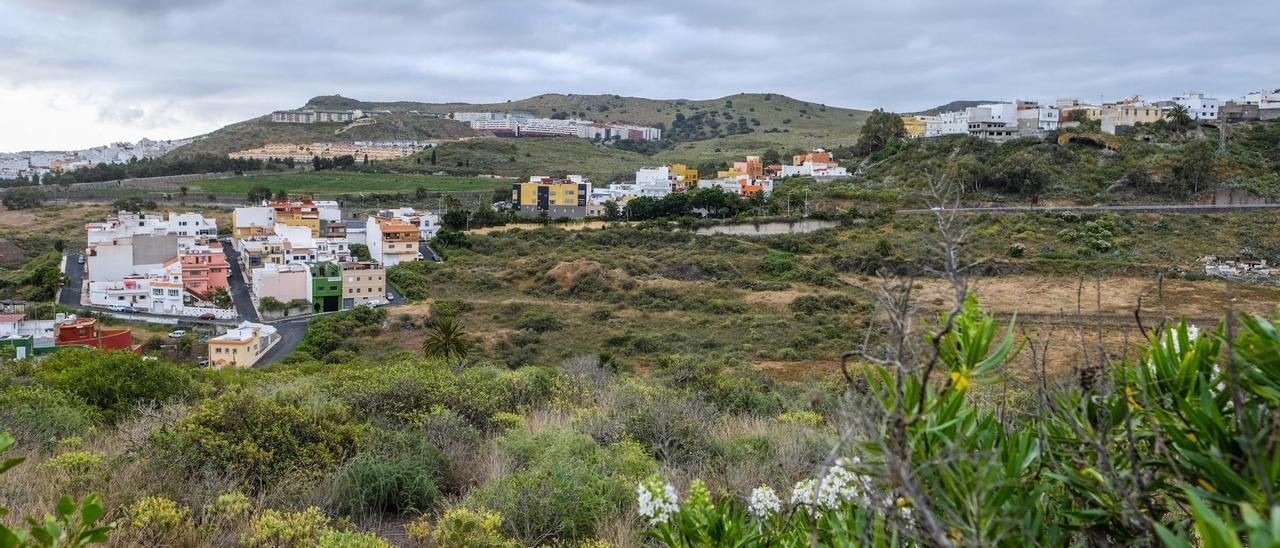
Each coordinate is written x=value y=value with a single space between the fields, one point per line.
x=154 y=249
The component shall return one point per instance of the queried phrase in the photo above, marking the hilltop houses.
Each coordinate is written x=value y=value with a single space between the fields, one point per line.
x=524 y=125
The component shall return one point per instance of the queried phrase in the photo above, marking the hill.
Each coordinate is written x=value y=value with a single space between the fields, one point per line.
x=696 y=130
x=953 y=106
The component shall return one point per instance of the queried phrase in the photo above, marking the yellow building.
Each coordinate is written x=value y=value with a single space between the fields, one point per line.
x=298 y=213
x=690 y=175
x=1128 y=115
x=915 y=126
x=252 y=222
x=242 y=346
x=557 y=197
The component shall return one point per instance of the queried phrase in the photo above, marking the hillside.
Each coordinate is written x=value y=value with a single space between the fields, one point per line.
x=953 y=106
x=715 y=129
x=261 y=130
x=523 y=157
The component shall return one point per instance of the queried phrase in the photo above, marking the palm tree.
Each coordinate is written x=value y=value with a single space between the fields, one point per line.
x=447 y=340
x=1180 y=116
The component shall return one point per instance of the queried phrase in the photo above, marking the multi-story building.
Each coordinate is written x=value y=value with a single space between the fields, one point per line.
x=739 y=184
x=391 y=241
x=521 y=125
x=818 y=163
x=261 y=250
x=242 y=346
x=1198 y=106
x=252 y=221
x=996 y=132
x=282 y=282
x=947 y=123
x=915 y=126
x=204 y=269
x=314 y=116
x=362 y=282
x=326 y=287
x=302 y=213
x=1123 y=115
x=685 y=176
x=556 y=197
x=428 y=223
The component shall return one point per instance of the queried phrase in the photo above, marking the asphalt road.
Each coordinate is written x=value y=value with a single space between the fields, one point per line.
x=70 y=295
x=291 y=332
x=236 y=286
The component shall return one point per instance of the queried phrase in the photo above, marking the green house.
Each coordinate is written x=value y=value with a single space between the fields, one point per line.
x=326 y=287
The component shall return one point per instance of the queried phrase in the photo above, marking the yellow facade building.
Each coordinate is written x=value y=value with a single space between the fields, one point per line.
x=690 y=175
x=557 y=197
x=915 y=126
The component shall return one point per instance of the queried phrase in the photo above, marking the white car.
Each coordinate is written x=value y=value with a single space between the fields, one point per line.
x=119 y=308
x=391 y=297
x=373 y=303
x=177 y=333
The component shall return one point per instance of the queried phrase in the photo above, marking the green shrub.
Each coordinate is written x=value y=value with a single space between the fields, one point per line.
x=564 y=486
x=277 y=529
x=261 y=440
x=400 y=476
x=158 y=520
x=115 y=381
x=461 y=528
x=44 y=415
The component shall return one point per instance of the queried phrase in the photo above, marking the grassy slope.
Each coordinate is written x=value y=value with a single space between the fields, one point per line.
x=261 y=130
x=345 y=182
x=523 y=157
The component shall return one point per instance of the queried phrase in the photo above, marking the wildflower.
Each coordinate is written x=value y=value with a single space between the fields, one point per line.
x=959 y=381
x=1206 y=485
x=835 y=488
x=657 y=501
x=764 y=502
x=1133 y=404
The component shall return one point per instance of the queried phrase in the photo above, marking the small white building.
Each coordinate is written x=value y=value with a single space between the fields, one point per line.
x=947 y=123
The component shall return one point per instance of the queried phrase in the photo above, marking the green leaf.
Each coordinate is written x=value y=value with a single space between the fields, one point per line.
x=66 y=507
x=91 y=509
x=10 y=463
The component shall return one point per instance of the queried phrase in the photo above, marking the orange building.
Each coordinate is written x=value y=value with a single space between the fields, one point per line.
x=818 y=156
x=86 y=332
x=298 y=213
x=205 y=270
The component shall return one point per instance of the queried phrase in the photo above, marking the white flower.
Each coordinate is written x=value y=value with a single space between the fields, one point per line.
x=838 y=486
x=764 y=502
x=657 y=501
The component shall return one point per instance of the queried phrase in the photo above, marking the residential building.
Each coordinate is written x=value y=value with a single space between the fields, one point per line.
x=753 y=167
x=303 y=213
x=818 y=163
x=685 y=176
x=21 y=338
x=556 y=197
x=1005 y=114
x=392 y=241
x=242 y=346
x=204 y=269
x=86 y=332
x=315 y=116
x=523 y=125
x=1128 y=115
x=117 y=259
x=428 y=223
x=947 y=123
x=252 y=221
x=739 y=184
x=282 y=282
x=303 y=153
x=362 y=282
x=996 y=132
x=261 y=250
x=326 y=287
x=1198 y=106
x=915 y=125
x=1232 y=111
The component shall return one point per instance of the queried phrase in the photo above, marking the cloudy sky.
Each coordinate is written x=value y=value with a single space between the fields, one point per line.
x=78 y=73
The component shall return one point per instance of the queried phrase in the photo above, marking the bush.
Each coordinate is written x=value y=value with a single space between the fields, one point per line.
x=461 y=528
x=400 y=477
x=44 y=415
x=286 y=529
x=540 y=322
x=116 y=381
x=158 y=520
x=565 y=484
x=261 y=440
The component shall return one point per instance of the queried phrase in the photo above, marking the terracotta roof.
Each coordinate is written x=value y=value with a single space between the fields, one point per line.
x=11 y=318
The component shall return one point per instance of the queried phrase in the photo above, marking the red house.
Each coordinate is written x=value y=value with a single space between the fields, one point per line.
x=86 y=332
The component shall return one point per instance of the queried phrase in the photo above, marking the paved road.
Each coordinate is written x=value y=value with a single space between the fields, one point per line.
x=237 y=288
x=291 y=332
x=1150 y=208
x=70 y=295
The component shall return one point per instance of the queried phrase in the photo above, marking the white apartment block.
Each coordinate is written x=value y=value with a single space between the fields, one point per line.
x=428 y=222
x=1198 y=106
x=947 y=123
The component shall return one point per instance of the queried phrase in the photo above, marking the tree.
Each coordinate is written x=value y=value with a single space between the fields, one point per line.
x=1078 y=115
x=611 y=211
x=771 y=156
x=1193 y=167
x=361 y=251
x=220 y=298
x=22 y=198
x=880 y=129
x=182 y=191
x=282 y=195
x=1180 y=117
x=447 y=237
x=259 y=193
x=446 y=340
x=433 y=156
x=456 y=218
x=420 y=194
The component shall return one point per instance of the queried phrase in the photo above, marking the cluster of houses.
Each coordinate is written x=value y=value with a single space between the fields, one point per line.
x=575 y=196
x=171 y=265
x=300 y=251
x=362 y=152
x=524 y=125
x=40 y=163
x=1000 y=122
x=1256 y=270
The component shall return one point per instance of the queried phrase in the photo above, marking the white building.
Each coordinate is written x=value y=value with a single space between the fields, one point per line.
x=996 y=113
x=252 y=220
x=947 y=123
x=818 y=170
x=428 y=222
x=1198 y=106
x=1263 y=100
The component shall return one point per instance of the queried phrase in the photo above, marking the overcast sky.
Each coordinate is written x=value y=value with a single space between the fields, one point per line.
x=78 y=73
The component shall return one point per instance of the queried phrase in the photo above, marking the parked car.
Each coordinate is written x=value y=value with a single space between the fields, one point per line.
x=420 y=256
x=208 y=316
x=373 y=303
x=204 y=362
x=177 y=333
x=80 y=259
x=390 y=296
x=120 y=308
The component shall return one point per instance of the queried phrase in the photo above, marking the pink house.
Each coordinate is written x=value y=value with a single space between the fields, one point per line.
x=204 y=270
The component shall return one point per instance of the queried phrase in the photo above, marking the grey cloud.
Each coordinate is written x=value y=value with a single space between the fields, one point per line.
x=214 y=61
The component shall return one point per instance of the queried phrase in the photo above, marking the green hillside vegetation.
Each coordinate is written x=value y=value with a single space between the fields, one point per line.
x=1156 y=162
x=261 y=131
x=332 y=182
x=521 y=158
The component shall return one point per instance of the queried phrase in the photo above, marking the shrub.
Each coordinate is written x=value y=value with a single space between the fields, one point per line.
x=277 y=529
x=158 y=519
x=78 y=467
x=261 y=440
x=461 y=528
x=229 y=506
x=45 y=415
x=348 y=539
x=540 y=322
x=399 y=477
x=115 y=381
x=503 y=421
x=565 y=484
